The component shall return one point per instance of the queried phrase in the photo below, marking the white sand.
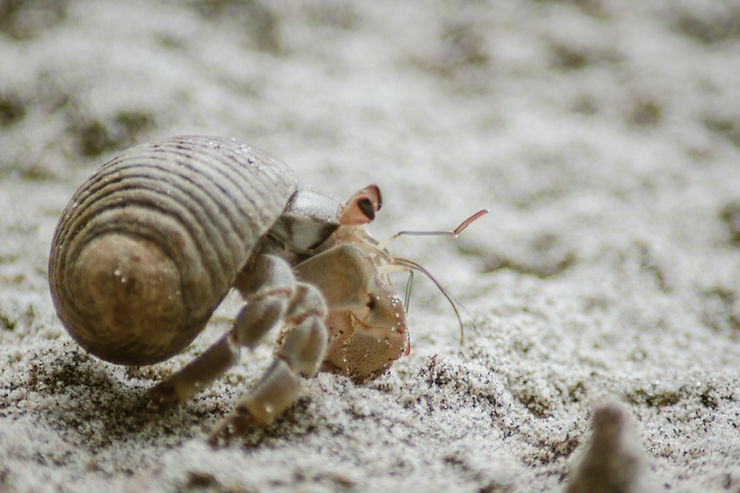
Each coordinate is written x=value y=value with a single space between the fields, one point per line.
x=603 y=135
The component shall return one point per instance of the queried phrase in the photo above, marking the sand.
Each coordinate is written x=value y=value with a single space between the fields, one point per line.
x=604 y=137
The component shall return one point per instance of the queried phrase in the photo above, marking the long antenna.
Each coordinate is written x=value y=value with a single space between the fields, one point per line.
x=413 y=265
x=459 y=229
x=407 y=291
x=454 y=232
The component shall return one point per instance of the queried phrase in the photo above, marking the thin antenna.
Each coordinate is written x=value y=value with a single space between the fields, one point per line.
x=461 y=227
x=413 y=265
x=407 y=291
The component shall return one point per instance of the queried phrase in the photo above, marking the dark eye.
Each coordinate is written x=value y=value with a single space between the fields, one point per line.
x=366 y=206
x=371 y=302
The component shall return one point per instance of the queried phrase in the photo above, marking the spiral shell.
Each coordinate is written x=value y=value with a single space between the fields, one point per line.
x=151 y=243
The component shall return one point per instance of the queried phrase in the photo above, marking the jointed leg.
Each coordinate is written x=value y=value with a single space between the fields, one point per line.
x=272 y=294
x=301 y=353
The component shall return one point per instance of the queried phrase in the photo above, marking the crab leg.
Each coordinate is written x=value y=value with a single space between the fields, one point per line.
x=301 y=354
x=269 y=287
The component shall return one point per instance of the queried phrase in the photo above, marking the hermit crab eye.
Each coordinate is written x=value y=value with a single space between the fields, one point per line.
x=370 y=302
x=367 y=208
x=361 y=207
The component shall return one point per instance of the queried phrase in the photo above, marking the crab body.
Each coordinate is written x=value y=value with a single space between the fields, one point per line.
x=150 y=244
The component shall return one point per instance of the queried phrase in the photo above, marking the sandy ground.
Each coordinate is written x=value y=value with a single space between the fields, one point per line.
x=604 y=136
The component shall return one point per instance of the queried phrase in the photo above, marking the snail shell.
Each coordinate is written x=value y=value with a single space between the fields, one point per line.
x=150 y=244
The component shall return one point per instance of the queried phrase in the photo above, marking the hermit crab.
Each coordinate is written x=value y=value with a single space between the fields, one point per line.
x=151 y=243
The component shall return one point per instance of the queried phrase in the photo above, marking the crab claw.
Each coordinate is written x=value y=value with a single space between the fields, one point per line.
x=360 y=351
x=366 y=321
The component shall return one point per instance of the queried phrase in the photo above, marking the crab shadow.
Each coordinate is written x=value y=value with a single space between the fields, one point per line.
x=93 y=402
x=99 y=404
